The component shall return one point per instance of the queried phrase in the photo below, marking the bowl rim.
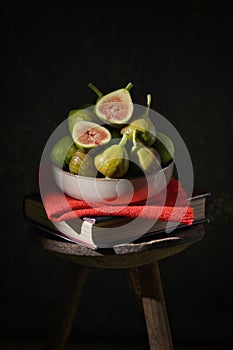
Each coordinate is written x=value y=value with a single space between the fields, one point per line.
x=90 y=178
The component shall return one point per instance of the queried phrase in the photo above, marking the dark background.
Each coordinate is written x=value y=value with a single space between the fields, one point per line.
x=181 y=53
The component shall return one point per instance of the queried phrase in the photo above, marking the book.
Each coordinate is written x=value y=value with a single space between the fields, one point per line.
x=107 y=231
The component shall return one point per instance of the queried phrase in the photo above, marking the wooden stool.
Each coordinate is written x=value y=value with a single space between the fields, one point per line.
x=141 y=262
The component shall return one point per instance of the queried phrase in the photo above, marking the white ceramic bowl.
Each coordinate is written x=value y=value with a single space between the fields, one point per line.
x=112 y=191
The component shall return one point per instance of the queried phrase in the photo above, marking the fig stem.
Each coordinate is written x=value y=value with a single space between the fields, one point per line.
x=148 y=104
x=123 y=140
x=95 y=89
x=134 y=140
x=129 y=86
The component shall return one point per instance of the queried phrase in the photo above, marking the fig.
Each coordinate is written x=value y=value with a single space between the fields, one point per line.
x=146 y=132
x=82 y=164
x=62 y=151
x=114 y=108
x=70 y=153
x=80 y=114
x=89 y=134
x=165 y=147
x=145 y=157
x=113 y=161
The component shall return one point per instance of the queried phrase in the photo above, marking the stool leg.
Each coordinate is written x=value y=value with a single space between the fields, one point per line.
x=147 y=285
x=67 y=306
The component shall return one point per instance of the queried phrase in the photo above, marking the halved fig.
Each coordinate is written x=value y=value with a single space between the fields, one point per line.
x=114 y=108
x=80 y=114
x=89 y=134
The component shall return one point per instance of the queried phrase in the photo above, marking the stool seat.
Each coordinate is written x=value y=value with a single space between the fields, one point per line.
x=140 y=260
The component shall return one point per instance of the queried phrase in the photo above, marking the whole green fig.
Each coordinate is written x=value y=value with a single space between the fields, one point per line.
x=164 y=145
x=82 y=164
x=146 y=158
x=146 y=132
x=113 y=161
x=63 y=151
